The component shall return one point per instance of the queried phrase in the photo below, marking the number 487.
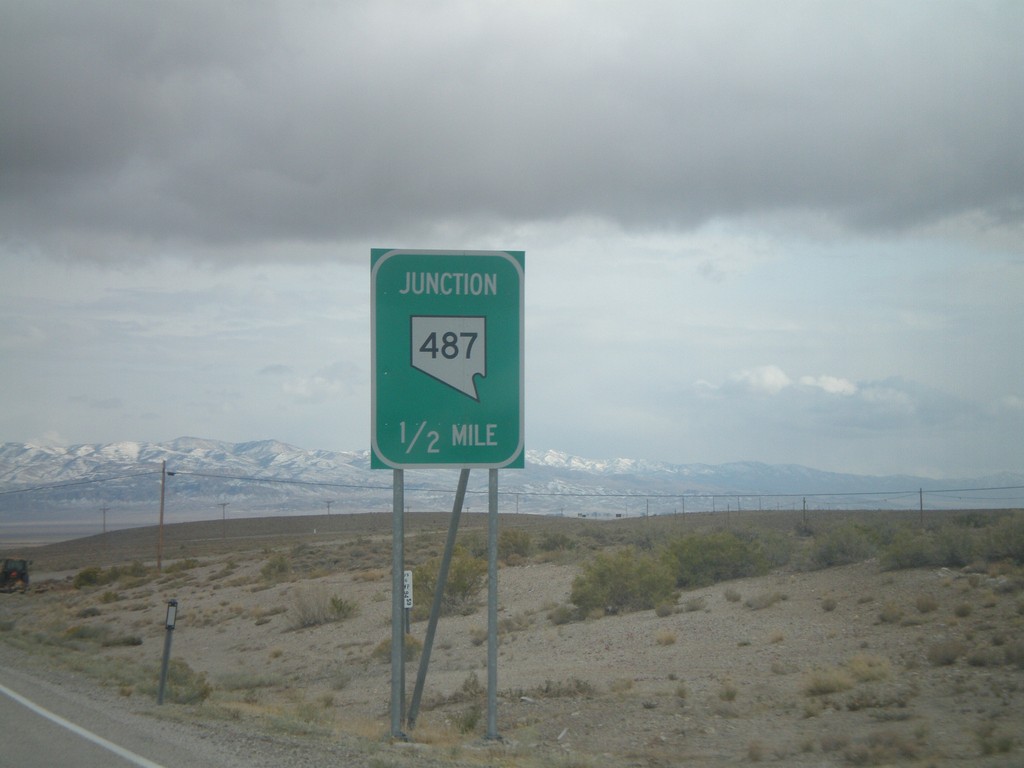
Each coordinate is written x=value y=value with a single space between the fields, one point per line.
x=451 y=345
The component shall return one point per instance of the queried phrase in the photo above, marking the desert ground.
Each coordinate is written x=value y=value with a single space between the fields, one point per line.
x=283 y=625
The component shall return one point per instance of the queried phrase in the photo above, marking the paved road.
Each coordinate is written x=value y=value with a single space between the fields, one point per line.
x=46 y=725
x=51 y=718
x=38 y=736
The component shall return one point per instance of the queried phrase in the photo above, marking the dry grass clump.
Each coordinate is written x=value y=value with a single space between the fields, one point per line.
x=661 y=610
x=665 y=637
x=986 y=657
x=694 y=604
x=313 y=607
x=865 y=668
x=621 y=685
x=882 y=748
x=992 y=742
x=822 y=682
x=277 y=568
x=732 y=595
x=413 y=648
x=764 y=600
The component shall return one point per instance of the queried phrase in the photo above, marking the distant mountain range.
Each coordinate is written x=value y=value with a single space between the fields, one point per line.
x=208 y=479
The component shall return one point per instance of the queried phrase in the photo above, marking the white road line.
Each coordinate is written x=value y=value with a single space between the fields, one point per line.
x=131 y=757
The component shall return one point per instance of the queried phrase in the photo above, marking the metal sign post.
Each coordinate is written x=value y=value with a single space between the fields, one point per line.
x=397 y=625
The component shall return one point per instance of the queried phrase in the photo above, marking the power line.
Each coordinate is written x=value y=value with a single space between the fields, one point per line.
x=887 y=495
x=75 y=483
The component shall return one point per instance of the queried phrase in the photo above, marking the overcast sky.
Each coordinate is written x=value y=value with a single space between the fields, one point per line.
x=788 y=232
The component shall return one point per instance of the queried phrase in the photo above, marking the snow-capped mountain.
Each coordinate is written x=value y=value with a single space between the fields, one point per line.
x=210 y=478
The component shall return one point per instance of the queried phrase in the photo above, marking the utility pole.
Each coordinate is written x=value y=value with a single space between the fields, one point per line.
x=223 y=519
x=328 y=503
x=160 y=532
x=104 y=511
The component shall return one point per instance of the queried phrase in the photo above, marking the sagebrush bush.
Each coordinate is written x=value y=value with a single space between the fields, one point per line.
x=764 y=600
x=89 y=577
x=926 y=603
x=466 y=577
x=514 y=545
x=180 y=566
x=909 y=549
x=945 y=652
x=313 y=607
x=277 y=568
x=1004 y=540
x=623 y=581
x=698 y=561
x=841 y=546
x=891 y=613
x=184 y=684
x=556 y=542
x=822 y=682
x=413 y=648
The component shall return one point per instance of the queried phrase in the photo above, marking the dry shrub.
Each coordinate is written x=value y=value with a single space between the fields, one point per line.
x=277 y=568
x=698 y=561
x=945 y=652
x=986 y=657
x=514 y=546
x=926 y=603
x=624 y=581
x=665 y=637
x=882 y=748
x=866 y=668
x=732 y=595
x=828 y=605
x=822 y=682
x=694 y=604
x=764 y=600
x=661 y=610
x=1014 y=654
x=466 y=576
x=834 y=742
x=413 y=647
x=562 y=614
x=621 y=685
x=313 y=607
x=890 y=614
x=755 y=751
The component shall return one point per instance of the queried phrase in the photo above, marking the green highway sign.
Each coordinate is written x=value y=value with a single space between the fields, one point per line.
x=447 y=346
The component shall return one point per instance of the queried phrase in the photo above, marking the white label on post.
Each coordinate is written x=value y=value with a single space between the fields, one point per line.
x=407 y=589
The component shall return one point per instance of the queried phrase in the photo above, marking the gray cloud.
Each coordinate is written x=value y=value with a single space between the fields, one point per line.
x=246 y=123
x=813 y=209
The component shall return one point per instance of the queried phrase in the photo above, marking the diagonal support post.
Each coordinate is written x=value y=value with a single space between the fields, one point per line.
x=435 y=608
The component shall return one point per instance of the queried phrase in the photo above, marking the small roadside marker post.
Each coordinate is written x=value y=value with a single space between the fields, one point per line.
x=172 y=615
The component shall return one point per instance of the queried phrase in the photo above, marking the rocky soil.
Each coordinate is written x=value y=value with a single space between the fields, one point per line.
x=852 y=665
